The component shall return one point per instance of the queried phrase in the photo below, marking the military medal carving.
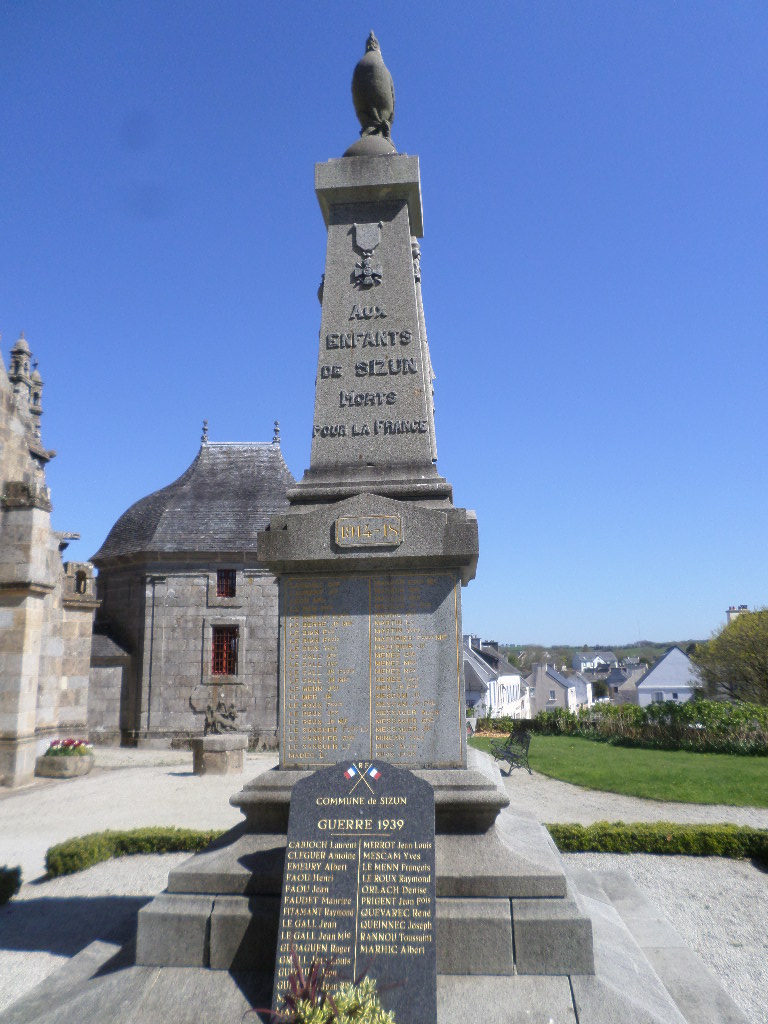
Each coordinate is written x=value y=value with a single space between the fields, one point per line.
x=367 y=238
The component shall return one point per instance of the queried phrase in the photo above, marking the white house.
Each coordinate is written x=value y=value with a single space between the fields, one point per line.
x=478 y=676
x=493 y=686
x=673 y=677
x=593 y=661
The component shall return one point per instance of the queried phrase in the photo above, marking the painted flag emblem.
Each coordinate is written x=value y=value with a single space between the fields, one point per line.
x=374 y=772
x=351 y=772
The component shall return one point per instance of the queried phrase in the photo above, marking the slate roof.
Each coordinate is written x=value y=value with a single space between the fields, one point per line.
x=103 y=647
x=583 y=657
x=477 y=672
x=219 y=504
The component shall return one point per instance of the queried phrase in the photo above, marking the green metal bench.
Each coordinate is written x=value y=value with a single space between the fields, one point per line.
x=513 y=750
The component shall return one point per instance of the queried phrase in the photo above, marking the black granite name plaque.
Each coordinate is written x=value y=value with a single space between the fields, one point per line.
x=359 y=884
x=371 y=668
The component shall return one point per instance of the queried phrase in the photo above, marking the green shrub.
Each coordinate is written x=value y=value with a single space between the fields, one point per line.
x=736 y=841
x=507 y=725
x=10 y=883
x=83 y=852
x=706 y=726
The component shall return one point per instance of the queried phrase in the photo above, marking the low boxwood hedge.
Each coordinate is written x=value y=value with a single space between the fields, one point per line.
x=83 y=852
x=737 y=841
x=10 y=883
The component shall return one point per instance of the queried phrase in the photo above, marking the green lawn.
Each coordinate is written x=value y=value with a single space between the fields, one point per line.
x=655 y=774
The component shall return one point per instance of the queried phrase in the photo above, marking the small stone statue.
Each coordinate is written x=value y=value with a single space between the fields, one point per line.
x=223 y=719
x=373 y=94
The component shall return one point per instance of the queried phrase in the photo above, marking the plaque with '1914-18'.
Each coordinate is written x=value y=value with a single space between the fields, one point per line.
x=359 y=885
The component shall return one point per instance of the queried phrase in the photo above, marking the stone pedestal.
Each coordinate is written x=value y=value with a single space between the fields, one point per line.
x=499 y=879
x=219 y=755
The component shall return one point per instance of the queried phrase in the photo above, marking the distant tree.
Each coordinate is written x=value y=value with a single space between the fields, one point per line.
x=512 y=654
x=734 y=662
x=599 y=689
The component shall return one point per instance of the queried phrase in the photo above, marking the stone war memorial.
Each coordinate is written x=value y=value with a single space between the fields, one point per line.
x=380 y=845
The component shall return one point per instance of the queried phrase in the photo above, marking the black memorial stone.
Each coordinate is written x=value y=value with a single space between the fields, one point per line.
x=359 y=884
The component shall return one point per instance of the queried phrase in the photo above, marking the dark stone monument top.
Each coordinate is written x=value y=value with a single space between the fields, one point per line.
x=359 y=884
x=373 y=94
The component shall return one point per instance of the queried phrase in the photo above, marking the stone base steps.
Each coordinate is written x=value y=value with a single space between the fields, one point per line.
x=644 y=975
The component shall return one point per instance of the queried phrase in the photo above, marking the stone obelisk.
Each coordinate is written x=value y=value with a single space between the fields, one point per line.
x=370 y=558
x=372 y=554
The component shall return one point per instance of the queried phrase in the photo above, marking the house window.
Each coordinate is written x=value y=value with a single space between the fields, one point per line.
x=226 y=583
x=674 y=696
x=551 y=694
x=658 y=696
x=224 y=650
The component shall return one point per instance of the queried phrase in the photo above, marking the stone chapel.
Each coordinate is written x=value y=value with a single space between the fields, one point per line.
x=188 y=615
x=46 y=605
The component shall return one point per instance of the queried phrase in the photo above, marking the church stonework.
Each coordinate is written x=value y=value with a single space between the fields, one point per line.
x=189 y=614
x=46 y=606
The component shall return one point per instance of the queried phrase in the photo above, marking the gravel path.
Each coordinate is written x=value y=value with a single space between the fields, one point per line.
x=718 y=906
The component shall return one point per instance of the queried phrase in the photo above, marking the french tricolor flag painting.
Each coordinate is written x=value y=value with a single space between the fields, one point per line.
x=351 y=772
x=374 y=772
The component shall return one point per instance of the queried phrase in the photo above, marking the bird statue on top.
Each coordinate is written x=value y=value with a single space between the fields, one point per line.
x=373 y=94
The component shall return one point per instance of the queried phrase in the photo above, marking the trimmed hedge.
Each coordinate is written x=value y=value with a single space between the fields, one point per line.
x=10 y=883
x=507 y=725
x=736 y=841
x=83 y=852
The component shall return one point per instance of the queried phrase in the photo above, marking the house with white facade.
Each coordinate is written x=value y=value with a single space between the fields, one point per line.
x=478 y=676
x=673 y=677
x=593 y=661
x=493 y=687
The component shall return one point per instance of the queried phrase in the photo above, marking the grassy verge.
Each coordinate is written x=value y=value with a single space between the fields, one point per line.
x=671 y=775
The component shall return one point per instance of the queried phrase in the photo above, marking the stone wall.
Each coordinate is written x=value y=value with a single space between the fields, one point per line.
x=164 y=615
x=121 y=615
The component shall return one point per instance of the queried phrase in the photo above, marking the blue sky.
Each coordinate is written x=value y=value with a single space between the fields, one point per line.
x=595 y=272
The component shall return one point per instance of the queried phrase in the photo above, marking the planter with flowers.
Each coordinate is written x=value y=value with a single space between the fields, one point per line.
x=65 y=759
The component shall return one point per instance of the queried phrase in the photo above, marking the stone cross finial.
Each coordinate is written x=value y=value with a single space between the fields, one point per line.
x=204 y=438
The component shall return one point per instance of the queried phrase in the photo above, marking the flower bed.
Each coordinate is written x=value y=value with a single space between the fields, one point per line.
x=69 y=748
x=65 y=759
